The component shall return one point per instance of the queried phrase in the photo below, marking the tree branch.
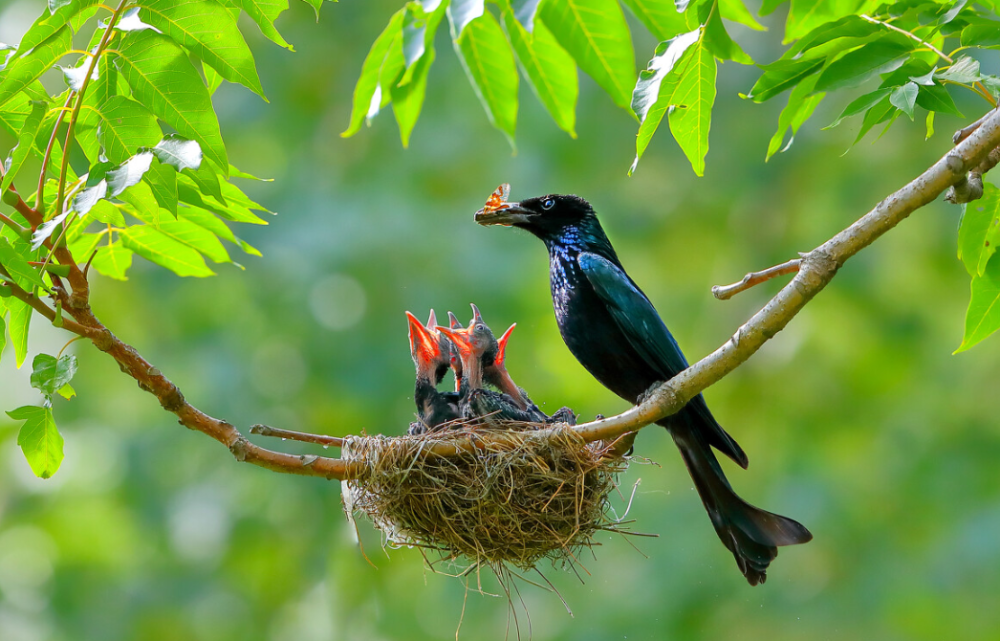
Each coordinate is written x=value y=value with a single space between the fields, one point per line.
x=817 y=268
x=725 y=292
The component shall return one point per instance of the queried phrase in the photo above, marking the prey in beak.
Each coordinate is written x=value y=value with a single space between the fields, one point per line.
x=498 y=211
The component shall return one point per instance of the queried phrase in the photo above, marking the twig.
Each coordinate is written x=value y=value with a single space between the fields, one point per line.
x=965 y=132
x=40 y=192
x=304 y=437
x=725 y=292
x=912 y=36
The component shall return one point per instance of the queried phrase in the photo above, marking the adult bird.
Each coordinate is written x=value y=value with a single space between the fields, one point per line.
x=431 y=355
x=613 y=329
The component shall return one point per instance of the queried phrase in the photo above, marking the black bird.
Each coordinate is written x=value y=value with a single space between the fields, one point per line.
x=431 y=355
x=616 y=334
x=477 y=345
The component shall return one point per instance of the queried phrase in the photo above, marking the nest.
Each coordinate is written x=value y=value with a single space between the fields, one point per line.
x=515 y=496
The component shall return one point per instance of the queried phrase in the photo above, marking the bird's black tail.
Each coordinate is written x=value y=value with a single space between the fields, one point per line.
x=751 y=534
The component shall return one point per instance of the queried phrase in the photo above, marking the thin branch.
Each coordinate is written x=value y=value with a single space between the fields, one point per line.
x=21 y=231
x=40 y=192
x=303 y=437
x=725 y=292
x=39 y=306
x=912 y=36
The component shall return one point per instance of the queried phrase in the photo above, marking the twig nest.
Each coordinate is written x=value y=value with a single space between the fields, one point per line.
x=494 y=495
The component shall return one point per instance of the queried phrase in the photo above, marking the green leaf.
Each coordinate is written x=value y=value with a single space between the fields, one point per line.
x=904 y=98
x=408 y=99
x=367 y=92
x=39 y=439
x=17 y=326
x=718 y=42
x=849 y=27
x=178 y=152
x=17 y=266
x=140 y=196
x=736 y=11
x=983 y=316
x=66 y=391
x=48 y=24
x=209 y=31
x=548 y=68
x=694 y=97
x=857 y=66
x=159 y=248
x=124 y=127
x=981 y=35
x=660 y=17
x=489 y=63
x=3 y=326
x=104 y=212
x=461 y=13
x=161 y=77
x=49 y=374
x=196 y=237
x=115 y=181
x=664 y=60
x=965 y=70
x=671 y=61
x=878 y=113
x=801 y=104
x=25 y=142
x=209 y=221
x=162 y=181
x=595 y=33
x=782 y=75
x=806 y=15
x=979 y=231
x=113 y=261
x=524 y=12
x=937 y=98
x=207 y=181
x=860 y=104
x=21 y=72
x=264 y=13
x=930 y=125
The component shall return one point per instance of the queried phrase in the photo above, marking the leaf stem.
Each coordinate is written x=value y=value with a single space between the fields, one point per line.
x=79 y=102
x=910 y=35
x=40 y=192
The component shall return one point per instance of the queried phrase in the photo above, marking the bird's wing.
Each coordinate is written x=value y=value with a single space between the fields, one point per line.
x=645 y=331
x=634 y=315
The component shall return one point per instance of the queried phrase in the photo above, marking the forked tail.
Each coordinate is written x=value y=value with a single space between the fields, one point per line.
x=751 y=534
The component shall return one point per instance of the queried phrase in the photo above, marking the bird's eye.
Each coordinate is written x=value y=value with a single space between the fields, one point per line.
x=480 y=328
x=549 y=203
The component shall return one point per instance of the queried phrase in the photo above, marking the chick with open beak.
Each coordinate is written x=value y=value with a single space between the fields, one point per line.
x=432 y=357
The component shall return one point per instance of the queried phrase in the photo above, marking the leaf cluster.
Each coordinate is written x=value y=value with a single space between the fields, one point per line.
x=153 y=178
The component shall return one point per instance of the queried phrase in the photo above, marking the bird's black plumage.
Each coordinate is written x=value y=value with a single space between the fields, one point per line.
x=611 y=327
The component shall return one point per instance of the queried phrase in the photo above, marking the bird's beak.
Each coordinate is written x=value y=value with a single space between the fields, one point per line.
x=502 y=346
x=453 y=321
x=432 y=321
x=506 y=214
x=458 y=339
x=423 y=344
x=476 y=316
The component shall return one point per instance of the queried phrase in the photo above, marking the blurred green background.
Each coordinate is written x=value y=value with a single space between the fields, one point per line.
x=857 y=419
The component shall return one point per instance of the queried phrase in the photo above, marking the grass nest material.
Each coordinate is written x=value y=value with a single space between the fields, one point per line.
x=516 y=497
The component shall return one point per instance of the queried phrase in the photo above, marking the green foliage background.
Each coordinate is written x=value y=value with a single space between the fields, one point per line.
x=857 y=419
